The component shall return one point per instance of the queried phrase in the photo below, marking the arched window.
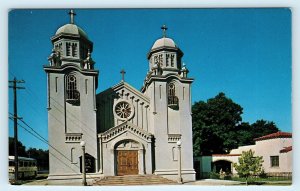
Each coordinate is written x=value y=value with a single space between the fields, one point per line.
x=175 y=153
x=72 y=92
x=171 y=89
x=172 y=98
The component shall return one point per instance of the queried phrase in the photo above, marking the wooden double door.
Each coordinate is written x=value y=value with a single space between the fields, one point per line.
x=127 y=162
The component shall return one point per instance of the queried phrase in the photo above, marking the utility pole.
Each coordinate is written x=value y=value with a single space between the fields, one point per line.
x=15 y=87
x=179 y=179
x=84 y=183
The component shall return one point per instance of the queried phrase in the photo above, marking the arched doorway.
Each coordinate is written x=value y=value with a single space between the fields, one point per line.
x=90 y=165
x=222 y=165
x=127 y=157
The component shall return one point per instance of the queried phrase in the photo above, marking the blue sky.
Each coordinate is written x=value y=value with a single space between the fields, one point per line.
x=245 y=53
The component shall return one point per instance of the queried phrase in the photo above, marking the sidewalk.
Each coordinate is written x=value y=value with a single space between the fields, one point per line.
x=214 y=182
x=44 y=182
x=78 y=182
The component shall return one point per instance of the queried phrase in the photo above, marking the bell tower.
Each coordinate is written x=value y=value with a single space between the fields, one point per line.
x=72 y=83
x=169 y=88
x=164 y=55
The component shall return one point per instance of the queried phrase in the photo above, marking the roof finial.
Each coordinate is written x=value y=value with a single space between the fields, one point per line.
x=72 y=14
x=123 y=74
x=164 y=28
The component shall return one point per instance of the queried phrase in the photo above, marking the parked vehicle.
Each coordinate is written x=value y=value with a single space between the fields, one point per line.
x=27 y=167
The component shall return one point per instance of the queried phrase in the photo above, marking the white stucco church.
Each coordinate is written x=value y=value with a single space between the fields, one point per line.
x=127 y=131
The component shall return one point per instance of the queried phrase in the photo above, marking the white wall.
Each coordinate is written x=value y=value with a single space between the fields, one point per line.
x=272 y=147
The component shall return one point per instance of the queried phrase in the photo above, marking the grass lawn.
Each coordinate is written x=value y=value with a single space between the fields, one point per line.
x=275 y=181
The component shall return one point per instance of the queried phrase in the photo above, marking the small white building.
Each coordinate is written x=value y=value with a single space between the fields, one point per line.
x=275 y=148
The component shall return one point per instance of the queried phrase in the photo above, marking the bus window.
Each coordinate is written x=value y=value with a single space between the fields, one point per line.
x=25 y=163
x=21 y=164
x=11 y=163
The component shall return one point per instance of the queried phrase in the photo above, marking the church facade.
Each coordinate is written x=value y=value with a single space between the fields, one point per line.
x=126 y=131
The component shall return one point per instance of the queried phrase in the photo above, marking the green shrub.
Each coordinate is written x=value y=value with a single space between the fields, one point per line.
x=214 y=175
x=227 y=177
x=263 y=174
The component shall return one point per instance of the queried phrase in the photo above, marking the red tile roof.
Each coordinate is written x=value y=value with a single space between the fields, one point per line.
x=218 y=155
x=279 y=134
x=286 y=149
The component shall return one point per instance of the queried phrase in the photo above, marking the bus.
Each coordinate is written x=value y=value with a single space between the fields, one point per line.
x=27 y=167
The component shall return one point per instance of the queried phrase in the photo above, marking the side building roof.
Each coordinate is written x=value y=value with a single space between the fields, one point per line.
x=279 y=134
x=286 y=149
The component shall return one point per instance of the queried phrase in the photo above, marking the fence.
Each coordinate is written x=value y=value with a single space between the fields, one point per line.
x=267 y=176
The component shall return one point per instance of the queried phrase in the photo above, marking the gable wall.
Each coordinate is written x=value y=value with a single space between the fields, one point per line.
x=106 y=102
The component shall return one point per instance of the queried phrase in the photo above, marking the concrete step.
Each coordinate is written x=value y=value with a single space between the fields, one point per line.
x=133 y=180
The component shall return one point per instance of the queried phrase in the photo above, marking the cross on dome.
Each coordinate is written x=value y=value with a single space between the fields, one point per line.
x=72 y=14
x=164 y=28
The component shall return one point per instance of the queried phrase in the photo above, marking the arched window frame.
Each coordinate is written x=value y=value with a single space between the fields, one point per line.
x=171 y=89
x=73 y=95
x=173 y=101
x=175 y=153
x=73 y=161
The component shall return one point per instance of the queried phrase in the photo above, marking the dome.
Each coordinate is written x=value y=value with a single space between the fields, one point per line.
x=71 y=29
x=164 y=42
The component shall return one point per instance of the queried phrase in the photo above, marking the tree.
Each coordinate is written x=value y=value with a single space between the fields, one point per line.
x=244 y=134
x=203 y=142
x=247 y=133
x=42 y=157
x=248 y=165
x=21 y=148
x=215 y=122
x=262 y=127
x=218 y=126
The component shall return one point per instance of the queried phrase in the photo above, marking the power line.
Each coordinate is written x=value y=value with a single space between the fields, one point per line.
x=38 y=136
x=59 y=107
x=11 y=73
x=46 y=143
x=35 y=133
x=74 y=118
x=31 y=129
x=15 y=118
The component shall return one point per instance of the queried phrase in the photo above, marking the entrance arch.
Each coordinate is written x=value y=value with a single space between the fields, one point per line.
x=129 y=158
x=222 y=165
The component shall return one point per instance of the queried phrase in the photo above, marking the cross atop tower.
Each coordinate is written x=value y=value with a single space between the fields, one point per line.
x=72 y=14
x=164 y=28
x=123 y=74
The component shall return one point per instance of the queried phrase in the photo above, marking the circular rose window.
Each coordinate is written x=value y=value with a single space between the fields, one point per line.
x=123 y=110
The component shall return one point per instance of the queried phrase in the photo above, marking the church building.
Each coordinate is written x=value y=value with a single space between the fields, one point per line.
x=126 y=131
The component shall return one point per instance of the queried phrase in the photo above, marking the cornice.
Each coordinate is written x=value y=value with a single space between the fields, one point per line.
x=63 y=68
